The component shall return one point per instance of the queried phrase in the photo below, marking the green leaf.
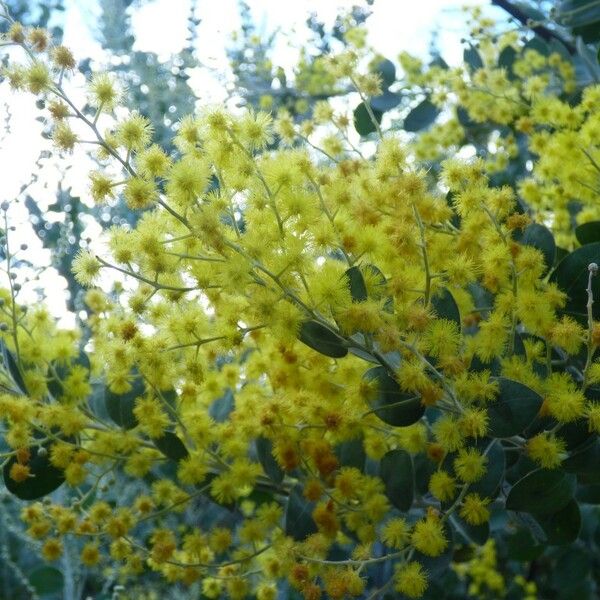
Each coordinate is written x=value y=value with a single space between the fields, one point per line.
x=420 y=117
x=584 y=459
x=571 y=276
x=390 y=403
x=445 y=307
x=513 y=410
x=506 y=60
x=171 y=446
x=538 y=44
x=472 y=534
x=396 y=471
x=356 y=284
x=45 y=477
x=588 y=233
x=588 y=494
x=120 y=406
x=385 y=101
x=539 y=237
x=46 y=580
x=522 y=546
x=299 y=523
x=387 y=71
x=351 y=453
x=578 y=13
x=59 y=372
x=472 y=58
x=562 y=527
x=13 y=369
x=221 y=407
x=322 y=339
x=489 y=485
x=541 y=492
x=570 y=573
x=362 y=120
x=264 y=449
x=424 y=469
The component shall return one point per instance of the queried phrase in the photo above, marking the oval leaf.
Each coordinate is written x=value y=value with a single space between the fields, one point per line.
x=13 y=369
x=563 y=526
x=445 y=307
x=363 y=123
x=588 y=233
x=45 y=477
x=120 y=406
x=387 y=71
x=472 y=534
x=472 y=58
x=539 y=237
x=421 y=116
x=221 y=407
x=46 y=580
x=489 y=485
x=391 y=404
x=385 y=101
x=299 y=523
x=171 y=446
x=541 y=492
x=264 y=449
x=356 y=284
x=571 y=276
x=351 y=453
x=396 y=471
x=513 y=410
x=322 y=339
x=585 y=459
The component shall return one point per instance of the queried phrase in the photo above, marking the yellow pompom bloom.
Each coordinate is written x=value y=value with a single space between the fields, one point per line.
x=428 y=536
x=442 y=486
x=134 y=133
x=52 y=549
x=474 y=509
x=470 y=465
x=153 y=162
x=396 y=533
x=191 y=470
x=188 y=178
x=19 y=472
x=546 y=449
x=448 y=433
x=90 y=555
x=564 y=401
x=140 y=193
x=37 y=77
x=593 y=416
x=474 y=422
x=410 y=579
x=103 y=91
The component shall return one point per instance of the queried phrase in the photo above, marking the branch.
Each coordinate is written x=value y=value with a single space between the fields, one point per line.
x=543 y=32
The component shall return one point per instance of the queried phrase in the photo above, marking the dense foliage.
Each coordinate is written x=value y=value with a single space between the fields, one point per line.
x=369 y=364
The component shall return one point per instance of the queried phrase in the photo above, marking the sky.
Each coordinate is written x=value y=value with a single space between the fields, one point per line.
x=161 y=26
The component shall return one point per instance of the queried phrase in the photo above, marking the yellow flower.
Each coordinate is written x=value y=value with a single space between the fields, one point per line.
x=474 y=509
x=428 y=536
x=396 y=533
x=442 y=486
x=410 y=579
x=470 y=465
x=546 y=449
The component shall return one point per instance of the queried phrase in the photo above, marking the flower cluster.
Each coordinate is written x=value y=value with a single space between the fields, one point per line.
x=346 y=352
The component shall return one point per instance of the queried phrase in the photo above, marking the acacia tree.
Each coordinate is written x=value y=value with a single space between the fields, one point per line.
x=379 y=377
